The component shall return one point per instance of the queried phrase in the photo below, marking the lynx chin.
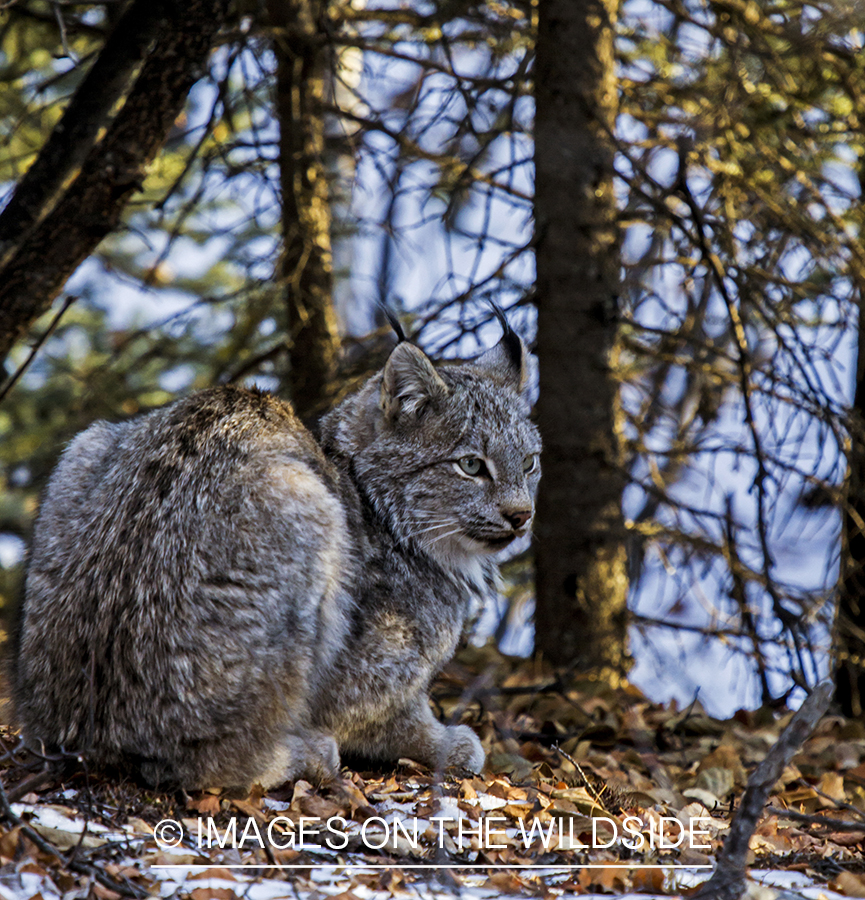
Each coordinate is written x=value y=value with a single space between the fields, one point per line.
x=214 y=597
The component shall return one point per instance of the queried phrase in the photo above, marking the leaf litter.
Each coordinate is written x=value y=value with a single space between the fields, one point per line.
x=592 y=786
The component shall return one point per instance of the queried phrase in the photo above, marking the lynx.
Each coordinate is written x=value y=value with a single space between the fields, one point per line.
x=214 y=597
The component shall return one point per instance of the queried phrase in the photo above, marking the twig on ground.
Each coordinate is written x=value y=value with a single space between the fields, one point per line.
x=822 y=821
x=588 y=785
x=33 y=782
x=125 y=888
x=728 y=881
x=836 y=803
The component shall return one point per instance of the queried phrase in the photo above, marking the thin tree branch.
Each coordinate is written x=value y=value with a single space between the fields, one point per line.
x=112 y=171
x=88 y=112
x=728 y=881
x=841 y=825
x=16 y=375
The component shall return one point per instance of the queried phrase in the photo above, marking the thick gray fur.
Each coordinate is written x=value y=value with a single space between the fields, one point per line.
x=214 y=598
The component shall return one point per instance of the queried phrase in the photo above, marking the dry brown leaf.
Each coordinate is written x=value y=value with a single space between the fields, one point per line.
x=306 y=802
x=831 y=784
x=519 y=811
x=357 y=801
x=117 y=871
x=249 y=809
x=857 y=774
x=139 y=826
x=216 y=872
x=607 y=879
x=102 y=892
x=845 y=839
x=392 y=881
x=648 y=880
x=796 y=796
x=9 y=844
x=210 y=893
x=583 y=802
x=725 y=757
x=849 y=884
x=506 y=883
x=467 y=790
x=206 y=805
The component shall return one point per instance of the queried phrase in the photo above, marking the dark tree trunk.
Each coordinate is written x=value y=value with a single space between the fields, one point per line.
x=305 y=268
x=581 y=566
x=50 y=229
x=89 y=110
x=850 y=619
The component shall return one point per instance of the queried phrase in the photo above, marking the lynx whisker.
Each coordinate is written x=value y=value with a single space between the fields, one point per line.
x=413 y=534
x=447 y=534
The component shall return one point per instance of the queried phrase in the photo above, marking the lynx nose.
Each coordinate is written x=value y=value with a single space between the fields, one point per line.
x=517 y=518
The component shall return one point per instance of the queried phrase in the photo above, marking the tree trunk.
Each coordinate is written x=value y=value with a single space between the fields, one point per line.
x=89 y=111
x=850 y=618
x=58 y=228
x=305 y=268
x=581 y=566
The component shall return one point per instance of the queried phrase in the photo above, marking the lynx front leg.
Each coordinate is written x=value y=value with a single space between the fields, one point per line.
x=417 y=734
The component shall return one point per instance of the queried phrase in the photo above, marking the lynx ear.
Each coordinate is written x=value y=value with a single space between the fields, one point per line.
x=410 y=382
x=508 y=360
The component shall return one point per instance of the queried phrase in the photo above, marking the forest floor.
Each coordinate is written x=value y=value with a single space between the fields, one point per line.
x=588 y=790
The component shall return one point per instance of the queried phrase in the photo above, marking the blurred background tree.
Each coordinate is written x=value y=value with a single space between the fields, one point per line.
x=581 y=572
x=234 y=188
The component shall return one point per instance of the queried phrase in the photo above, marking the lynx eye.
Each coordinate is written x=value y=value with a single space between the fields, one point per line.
x=530 y=460
x=472 y=465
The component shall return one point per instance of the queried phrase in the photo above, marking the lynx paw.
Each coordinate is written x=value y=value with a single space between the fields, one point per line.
x=464 y=749
x=312 y=756
x=320 y=760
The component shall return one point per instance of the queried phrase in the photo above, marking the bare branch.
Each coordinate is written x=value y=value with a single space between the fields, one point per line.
x=728 y=881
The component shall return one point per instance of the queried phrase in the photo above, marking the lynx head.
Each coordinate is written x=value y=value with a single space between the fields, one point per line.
x=445 y=453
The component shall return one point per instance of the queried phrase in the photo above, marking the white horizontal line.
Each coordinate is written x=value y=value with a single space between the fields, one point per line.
x=430 y=866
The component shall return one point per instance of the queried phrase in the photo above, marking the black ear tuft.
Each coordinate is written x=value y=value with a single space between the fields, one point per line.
x=394 y=322
x=511 y=342
x=507 y=361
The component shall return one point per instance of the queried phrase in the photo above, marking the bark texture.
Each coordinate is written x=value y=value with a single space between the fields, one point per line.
x=55 y=225
x=305 y=268
x=581 y=566
x=850 y=618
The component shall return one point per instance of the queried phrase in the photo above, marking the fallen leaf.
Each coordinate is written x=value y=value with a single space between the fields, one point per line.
x=849 y=884
x=215 y=872
x=249 y=809
x=206 y=805
x=831 y=784
x=607 y=879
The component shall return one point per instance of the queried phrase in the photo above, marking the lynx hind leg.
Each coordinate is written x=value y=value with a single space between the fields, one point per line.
x=321 y=557
x=239 y=763
x=312 y=756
